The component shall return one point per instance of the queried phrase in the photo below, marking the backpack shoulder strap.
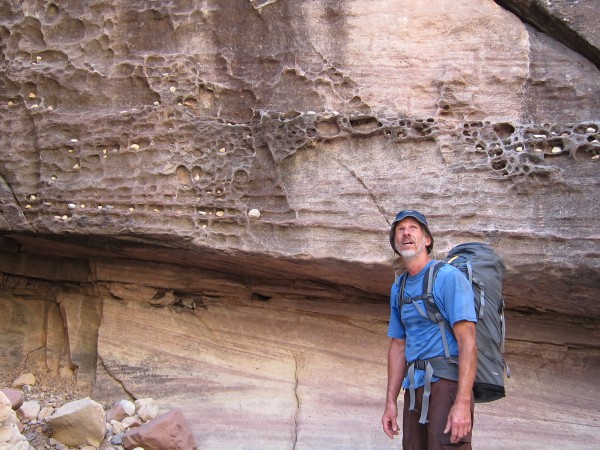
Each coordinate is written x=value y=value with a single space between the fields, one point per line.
x=430 y=277
x=432 y=310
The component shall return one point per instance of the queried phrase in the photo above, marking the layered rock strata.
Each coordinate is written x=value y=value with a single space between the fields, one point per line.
x=197 y=196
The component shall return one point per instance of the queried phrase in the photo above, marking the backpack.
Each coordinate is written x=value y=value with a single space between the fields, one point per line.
x=485 y=271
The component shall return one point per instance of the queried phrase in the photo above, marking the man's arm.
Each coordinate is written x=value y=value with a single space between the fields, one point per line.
x=396 y=371
x=459 y=419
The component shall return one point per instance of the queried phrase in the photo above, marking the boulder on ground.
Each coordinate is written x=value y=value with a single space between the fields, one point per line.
x=15 y=396
x=120 y=410
x=28 y=411
x=81 y=422
x=22 y=380
x=169 y=431
x=10 y=437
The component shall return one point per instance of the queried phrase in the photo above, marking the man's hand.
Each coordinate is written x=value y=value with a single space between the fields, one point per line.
x=390 y=421
x=459 y=421
x=396 y=369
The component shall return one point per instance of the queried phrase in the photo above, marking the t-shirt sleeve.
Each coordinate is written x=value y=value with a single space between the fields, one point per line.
x=456 y=295
x=395 y=327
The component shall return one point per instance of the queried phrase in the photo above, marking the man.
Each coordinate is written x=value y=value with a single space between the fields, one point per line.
x=447 y=405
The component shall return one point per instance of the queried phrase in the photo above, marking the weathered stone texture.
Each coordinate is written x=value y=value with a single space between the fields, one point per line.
x=196 y=196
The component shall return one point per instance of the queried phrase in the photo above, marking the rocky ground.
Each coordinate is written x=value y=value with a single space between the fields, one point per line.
x=48 y=391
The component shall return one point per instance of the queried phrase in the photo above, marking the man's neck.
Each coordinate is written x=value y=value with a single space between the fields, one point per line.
x=416 y=264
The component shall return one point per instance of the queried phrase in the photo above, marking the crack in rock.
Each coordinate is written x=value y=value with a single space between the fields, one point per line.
x=115 y=379
x=297 y=413
x=369 y=191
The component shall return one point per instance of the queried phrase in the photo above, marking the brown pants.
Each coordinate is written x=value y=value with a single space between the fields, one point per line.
x=430 y=436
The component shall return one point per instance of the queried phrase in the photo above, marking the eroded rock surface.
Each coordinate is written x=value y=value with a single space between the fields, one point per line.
x=212 y=184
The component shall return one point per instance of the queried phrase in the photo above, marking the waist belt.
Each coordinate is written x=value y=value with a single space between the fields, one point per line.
x=442 y=367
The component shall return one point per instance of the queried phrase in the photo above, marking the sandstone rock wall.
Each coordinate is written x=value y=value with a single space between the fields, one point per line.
x=212 y=183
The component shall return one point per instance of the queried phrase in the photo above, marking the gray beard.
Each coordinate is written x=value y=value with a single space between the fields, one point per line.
x=408 y=254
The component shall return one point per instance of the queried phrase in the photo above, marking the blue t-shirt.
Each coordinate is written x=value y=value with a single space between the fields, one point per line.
x=454 y=298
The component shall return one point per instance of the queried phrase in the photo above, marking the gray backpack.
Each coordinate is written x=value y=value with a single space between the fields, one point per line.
x=485 y=271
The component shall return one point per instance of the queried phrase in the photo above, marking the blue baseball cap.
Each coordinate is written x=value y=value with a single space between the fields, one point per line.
x=418 y=217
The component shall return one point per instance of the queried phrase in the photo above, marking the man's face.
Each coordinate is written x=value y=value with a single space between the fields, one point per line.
x=410 y=238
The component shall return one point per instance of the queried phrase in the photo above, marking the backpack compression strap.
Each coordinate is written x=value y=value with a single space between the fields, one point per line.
x=472 y=279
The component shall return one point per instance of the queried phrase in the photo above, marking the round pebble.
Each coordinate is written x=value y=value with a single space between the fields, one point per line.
x=254 y=214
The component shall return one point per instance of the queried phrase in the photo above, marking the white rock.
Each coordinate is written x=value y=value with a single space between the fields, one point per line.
x=128 y=407
x=45 y=412
x=28 y=411
x=117 y=427
x=254 y=214
x=146 y=408
x=128 y=421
